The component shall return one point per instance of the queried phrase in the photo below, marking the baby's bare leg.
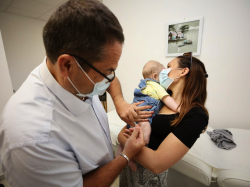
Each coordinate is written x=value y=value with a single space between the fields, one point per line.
x=133 y=165
x=119 y=150
x=146 y=129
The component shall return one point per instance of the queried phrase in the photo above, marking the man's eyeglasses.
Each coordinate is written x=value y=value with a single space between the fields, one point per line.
x=113 y=72
x=189 y=54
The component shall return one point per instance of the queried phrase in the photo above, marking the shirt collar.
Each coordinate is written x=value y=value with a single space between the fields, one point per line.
x=70 y=101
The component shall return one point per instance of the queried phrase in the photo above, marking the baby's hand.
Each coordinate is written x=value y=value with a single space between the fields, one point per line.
x=179 y=109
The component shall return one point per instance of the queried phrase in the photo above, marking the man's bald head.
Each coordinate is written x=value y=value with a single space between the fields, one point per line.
x=150 y=68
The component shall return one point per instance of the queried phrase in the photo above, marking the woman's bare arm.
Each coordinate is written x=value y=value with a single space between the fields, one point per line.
x=168 y=153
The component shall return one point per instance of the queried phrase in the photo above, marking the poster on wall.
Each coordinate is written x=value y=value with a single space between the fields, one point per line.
x=184 y=36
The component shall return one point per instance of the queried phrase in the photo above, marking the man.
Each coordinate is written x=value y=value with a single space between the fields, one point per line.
x=54 y=131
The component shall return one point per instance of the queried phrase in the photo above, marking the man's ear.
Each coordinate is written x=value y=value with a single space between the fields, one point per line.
x=65 y=64
x=185 y=71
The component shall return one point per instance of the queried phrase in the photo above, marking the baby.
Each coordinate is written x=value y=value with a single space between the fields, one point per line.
x=152 y=93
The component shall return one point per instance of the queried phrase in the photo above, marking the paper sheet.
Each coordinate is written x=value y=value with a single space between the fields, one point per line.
x=238 y=158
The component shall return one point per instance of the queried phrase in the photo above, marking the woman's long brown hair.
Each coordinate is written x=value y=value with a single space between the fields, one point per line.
x=195 y=87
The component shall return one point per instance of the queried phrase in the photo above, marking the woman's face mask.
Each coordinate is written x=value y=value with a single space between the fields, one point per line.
x=166 y=81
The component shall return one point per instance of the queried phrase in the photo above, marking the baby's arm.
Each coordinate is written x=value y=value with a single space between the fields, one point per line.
x=166 y=99
x=170 y=103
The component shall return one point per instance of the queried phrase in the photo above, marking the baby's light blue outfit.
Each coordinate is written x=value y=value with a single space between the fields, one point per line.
x=138 y=96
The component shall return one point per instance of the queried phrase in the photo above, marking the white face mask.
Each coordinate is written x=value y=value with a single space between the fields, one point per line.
x=165 y=80
x=99 y=88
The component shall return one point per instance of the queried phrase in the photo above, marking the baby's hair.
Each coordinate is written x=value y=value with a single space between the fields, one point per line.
x=151 y=67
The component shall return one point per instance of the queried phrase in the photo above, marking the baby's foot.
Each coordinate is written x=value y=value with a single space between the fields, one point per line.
x=132 y=164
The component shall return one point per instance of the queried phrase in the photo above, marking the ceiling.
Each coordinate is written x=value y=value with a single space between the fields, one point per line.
x=37 y=9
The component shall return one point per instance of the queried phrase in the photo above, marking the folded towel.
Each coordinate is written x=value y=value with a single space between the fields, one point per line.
x=223 y=138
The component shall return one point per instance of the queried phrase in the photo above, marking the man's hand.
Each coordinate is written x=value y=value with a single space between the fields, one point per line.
x=134 y=143
x=127 y=112
x=131 y=113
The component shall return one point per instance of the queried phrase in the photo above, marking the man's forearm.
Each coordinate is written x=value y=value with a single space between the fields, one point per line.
x=105 y=175
x=115 y=91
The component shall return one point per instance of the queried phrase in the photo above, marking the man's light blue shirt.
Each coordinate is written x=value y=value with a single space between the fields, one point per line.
x=49 y=137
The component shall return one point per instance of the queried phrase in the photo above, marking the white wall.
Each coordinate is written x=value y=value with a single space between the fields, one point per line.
x=5 y=83
x=22 y=38
x=225 y=50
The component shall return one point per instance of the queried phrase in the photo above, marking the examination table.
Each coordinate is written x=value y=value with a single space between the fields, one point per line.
x=205 y=162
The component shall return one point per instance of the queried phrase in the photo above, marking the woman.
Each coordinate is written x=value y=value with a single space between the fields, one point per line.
x=172 y=134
